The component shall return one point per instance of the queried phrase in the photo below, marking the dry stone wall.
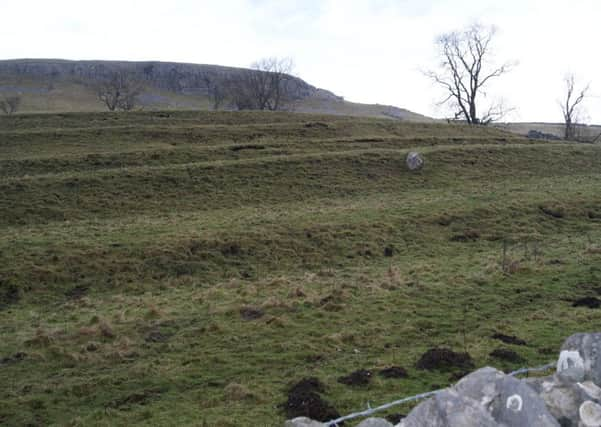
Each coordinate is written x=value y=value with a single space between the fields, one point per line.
x=487 y=397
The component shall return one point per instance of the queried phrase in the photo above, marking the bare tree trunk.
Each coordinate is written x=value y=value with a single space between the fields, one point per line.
x=571 y=105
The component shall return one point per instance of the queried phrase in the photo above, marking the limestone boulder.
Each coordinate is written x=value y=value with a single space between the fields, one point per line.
x=415 y=161
x=449 y=409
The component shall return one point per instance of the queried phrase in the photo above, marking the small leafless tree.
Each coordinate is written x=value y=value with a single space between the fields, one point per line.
x=266 y=86
x=277 y=71
x=216 y=90
x=570 y=107
x=465 y=71
x=10 y=104
x=119 y=91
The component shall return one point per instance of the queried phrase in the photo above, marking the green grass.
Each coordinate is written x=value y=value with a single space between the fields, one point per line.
x=129 y=243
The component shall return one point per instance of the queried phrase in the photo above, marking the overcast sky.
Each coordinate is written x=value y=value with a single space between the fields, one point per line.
x=369 y=51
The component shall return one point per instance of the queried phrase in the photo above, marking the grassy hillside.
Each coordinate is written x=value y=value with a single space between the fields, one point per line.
x=185 y=268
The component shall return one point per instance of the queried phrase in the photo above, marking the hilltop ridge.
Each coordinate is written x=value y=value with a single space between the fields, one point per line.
x=58 y=85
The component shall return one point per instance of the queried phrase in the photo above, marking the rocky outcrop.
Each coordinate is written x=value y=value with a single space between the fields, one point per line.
x=180 y=78
x=571 y=397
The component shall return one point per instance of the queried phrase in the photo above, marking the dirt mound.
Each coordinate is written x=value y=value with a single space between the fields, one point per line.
x=394 y=372
x=251 y=313
x=466 y=236
x=507 y=355
x=157 y=336
x=444 y=359
x=304 y=401
x=358 y=378
x=127 y=402
x=17 y=357
x=589 y=302
x=9 y=294
x=395 y=418
x=508 y=339
x=552 y=211
x=77 y=292
x=307 y=385
x=456 y=376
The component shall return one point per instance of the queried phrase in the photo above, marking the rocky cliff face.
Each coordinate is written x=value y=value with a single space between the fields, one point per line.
x=185 y=79
x=56 y=85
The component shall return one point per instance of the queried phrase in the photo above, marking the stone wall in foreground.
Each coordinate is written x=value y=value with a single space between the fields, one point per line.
x=571 y=397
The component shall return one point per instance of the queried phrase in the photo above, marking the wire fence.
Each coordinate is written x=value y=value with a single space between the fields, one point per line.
x=370 y=411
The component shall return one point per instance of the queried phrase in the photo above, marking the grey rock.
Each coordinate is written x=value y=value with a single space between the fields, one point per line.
x=481 y=385
x=170 y=76
x=563 y=398
x=449 y=409
x=536 y=383
x=582 y=352
x=375 y=422
x=571 y=375
x=414 y=161
x=303 y=422
x=509 y=400
x=518 y=405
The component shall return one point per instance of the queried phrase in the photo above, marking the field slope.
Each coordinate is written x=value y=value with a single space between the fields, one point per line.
x=185 y=268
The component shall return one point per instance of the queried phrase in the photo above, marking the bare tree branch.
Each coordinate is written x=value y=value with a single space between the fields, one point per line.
x=119 y=91
x=266 y=86
x=570 y=106
x=463 y=72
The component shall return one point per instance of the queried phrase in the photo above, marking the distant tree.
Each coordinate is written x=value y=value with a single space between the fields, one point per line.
x=570 y=106
x=266 y=86
x=216 y=90
x=119 y=91
x=465 y=70
x=277 y=88
x=10 y=104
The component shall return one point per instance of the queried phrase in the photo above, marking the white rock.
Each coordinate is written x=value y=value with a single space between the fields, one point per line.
x=591 y=389
x=569 y=359
x=590 y=414
x=582 y=352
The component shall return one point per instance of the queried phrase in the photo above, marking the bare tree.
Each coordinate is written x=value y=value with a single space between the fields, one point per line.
x=268 y=85
x=277 y=73
x=466 y=70
x=119 y=91
x=10 y=104
x=217 y=90
x=570 y=107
